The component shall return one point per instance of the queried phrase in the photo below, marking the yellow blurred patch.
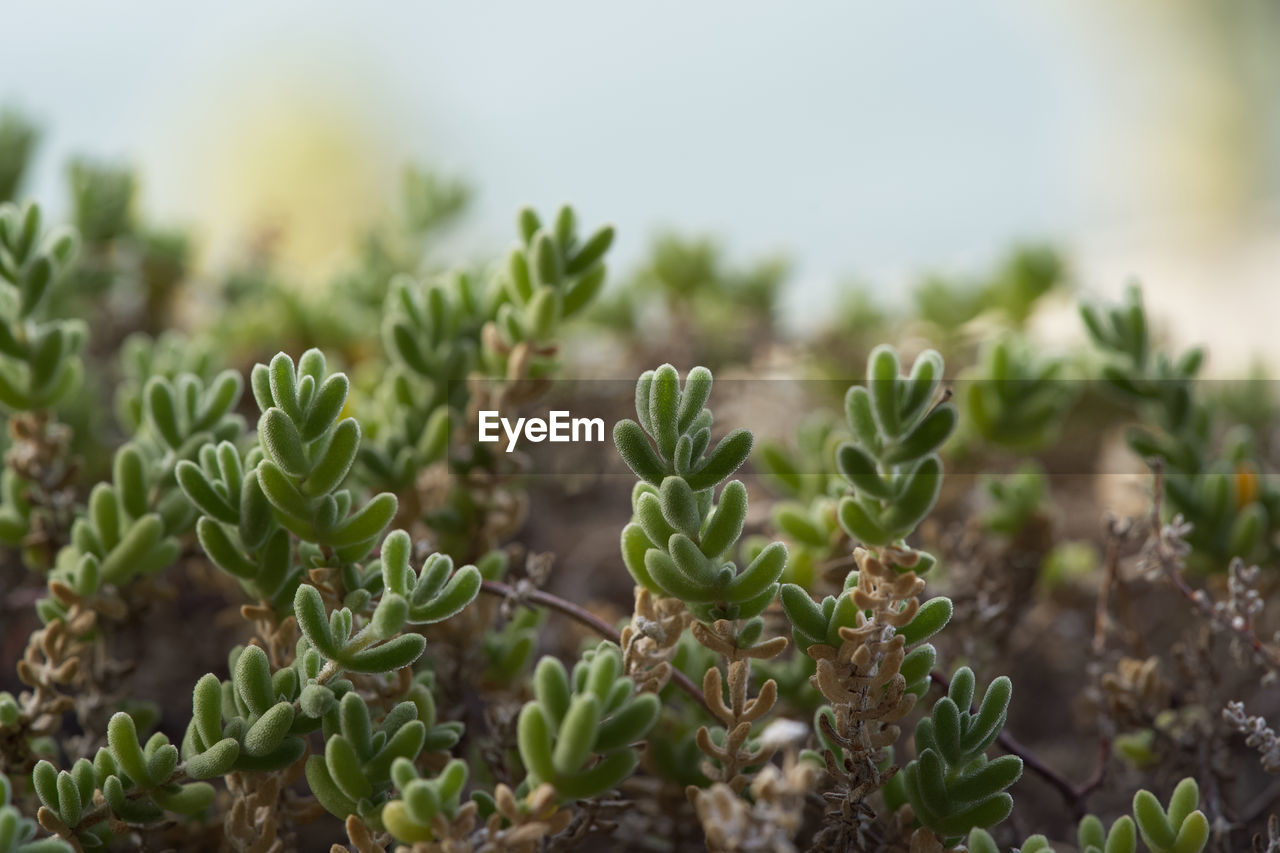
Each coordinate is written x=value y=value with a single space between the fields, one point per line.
x=293 y=169
x=1246 y=485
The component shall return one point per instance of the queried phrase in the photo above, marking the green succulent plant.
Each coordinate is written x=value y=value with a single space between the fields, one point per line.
x=442 y=333
x=579 y=732
x=410 y=816
x=820 y=623
x=17 y=833
x=1010 y=293
x=139 y=783
x=951 y=784
x=18 y=138
x=131 y=524
x=354 y=774
x=551 y=276
x=39 y=358
x=168 y=356
x=511 y=649
x=431 y=333
x=308 y=450
x=1218 y=488
x=891 y=461
x=682 y=532
x=102 y=198
x=1015 y=399
x=694 y=282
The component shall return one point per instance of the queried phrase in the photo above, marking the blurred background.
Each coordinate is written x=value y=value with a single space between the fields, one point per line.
x=866 y=143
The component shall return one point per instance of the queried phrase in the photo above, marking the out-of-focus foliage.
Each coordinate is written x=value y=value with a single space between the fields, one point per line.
x=17 y=142
x=1010 y=293
x=1213 y=474
x=689 y=283
x=1016 y=399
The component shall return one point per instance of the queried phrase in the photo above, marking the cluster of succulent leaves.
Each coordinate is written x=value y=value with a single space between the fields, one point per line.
x=580 y=731
x=549 y=278
x=681 y=535
x=307 y=452
x=951 y=784
x=133 y=523
x=168 y=355
x=890 y=464
x=410 y=816
x=1212 y=472
x=814 y=623
x=17 y=833
x=254 y=505
x=265 y=515
x=139 y=783
x=130 y=522
x=1179 y=828
x=431 y=333
x=891 y=461
x=1016 y=399
x=440 y=332
x=354 y=774
x=510 y=649
x=39 y=358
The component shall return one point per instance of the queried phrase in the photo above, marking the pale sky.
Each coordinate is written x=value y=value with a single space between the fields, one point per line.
x=863 y=138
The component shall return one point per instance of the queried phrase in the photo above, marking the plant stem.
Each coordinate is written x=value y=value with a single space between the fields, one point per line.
x=586 y=617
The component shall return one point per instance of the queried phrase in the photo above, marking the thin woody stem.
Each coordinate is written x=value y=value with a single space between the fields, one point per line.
x=585 y=617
